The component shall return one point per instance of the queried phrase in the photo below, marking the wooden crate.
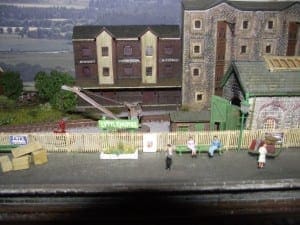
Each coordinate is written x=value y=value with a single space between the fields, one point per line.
x=6 y=164
x=39 y=157
x=21 y=163
x=26 y=149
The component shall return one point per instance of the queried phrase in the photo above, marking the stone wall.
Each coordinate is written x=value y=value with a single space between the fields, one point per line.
x=282 y=112
x=256 y=38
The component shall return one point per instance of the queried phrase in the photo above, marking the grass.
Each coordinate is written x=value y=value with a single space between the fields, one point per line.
x=32 y=115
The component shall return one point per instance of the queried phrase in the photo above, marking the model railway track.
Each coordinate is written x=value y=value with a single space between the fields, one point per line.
x=47 y=127
x=158 y=208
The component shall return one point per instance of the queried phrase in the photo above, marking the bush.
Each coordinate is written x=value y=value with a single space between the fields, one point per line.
x=6 y=103
x=121 y=148
x=12 y=84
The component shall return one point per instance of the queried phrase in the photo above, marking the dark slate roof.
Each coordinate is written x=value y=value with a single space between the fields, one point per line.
x=190 y=117
x=125 y=31
x=256 y=79
x=241 y=5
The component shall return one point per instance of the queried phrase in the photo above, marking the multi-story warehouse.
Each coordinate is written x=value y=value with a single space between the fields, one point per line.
x=217 y=32
x=130 y=63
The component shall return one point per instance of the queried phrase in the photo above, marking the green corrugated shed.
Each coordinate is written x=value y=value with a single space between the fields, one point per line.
x=190 y=117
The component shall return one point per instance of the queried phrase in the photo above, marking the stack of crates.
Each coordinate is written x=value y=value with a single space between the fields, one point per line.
x=23 y=156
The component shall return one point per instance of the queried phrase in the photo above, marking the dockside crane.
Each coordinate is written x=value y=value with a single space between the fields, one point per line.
x=134 y=111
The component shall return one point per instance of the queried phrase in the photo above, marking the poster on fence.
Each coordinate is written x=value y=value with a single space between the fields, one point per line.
x=18 y=139
x=149 y=142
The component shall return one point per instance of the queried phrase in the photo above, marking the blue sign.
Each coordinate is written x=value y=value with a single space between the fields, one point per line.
x=18 y=139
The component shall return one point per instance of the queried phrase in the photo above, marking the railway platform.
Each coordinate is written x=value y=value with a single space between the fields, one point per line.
x=226 y=189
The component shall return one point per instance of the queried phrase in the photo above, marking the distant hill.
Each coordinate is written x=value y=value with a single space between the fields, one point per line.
x=48 y=3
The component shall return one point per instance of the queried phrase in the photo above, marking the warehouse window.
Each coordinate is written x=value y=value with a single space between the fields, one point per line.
x=104 y=51
x=268 y=49
x=168 y=50
x=86 y=71
x=196 y=49
x=149 y=51
x=127 y=50
x=243 y=49
x=86 y=52
x=245 y=24
x=196 y=72
x=270 y=25
x=105 y=71
x=197 y=24
x=128 y=70
x=199 y=97
x=148 y=71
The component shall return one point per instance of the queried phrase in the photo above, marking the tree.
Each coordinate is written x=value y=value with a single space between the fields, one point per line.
x=49 y=89
x=12 y=84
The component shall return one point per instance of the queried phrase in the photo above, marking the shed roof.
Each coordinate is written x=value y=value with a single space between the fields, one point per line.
x=256 y=79
x=190 y=117
x=125 y=31
x=241 y=5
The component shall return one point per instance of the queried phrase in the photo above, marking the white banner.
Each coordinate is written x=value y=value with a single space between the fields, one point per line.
x=149 y=142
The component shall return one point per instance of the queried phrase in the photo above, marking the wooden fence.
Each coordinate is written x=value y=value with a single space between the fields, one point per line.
x=97 y=142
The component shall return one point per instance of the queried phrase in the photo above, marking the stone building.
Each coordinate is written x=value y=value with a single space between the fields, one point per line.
x=129 y=63
x=217 y=32
x=272 y=87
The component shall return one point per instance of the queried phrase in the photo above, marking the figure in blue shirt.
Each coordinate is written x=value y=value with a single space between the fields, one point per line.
x=215 y=144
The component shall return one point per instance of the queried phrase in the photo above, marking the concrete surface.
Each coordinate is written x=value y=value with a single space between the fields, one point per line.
x=85 y=172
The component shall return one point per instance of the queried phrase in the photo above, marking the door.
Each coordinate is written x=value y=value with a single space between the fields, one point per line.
x=220 y=56
x=224 y=116
x=292 y=39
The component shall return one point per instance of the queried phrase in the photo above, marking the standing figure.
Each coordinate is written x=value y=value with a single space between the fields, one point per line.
x=192 y=146
x=215 y=144
x=61 y=127
x=169 y=153
x=262 y=156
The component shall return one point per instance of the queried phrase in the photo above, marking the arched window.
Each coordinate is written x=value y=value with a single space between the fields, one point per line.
x=269 y=123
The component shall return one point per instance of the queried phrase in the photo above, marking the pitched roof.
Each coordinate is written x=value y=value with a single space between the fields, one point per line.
x=241 y=5
x=125 y=31
x=256 y=79
x=190 y=117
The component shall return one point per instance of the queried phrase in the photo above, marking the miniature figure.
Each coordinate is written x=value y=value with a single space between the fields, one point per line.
x=215 y=145
x=169 y=153
x=262 y=156
x=192 y=146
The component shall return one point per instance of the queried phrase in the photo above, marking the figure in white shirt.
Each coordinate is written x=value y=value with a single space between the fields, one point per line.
x=262 y=156
x=192 y=146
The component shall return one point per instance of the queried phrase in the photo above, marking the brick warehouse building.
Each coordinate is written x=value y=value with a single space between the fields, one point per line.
x=129 y=63
x=217 y=32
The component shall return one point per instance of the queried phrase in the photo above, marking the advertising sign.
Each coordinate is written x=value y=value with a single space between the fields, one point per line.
x=149 y=142
x=118 y=124
x=18 y=139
